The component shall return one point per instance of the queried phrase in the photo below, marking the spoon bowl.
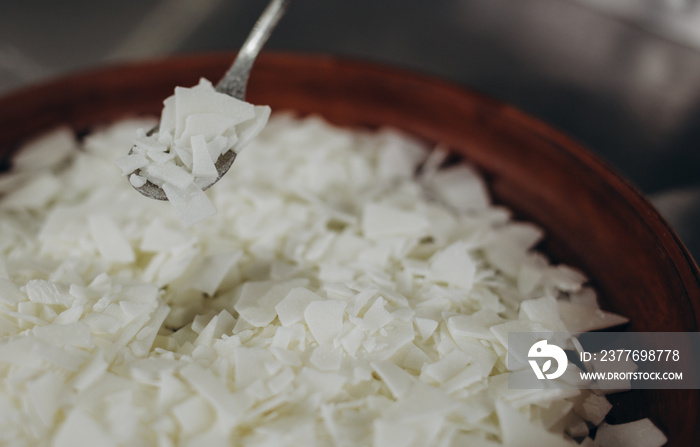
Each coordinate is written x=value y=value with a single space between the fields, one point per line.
x=233 y=83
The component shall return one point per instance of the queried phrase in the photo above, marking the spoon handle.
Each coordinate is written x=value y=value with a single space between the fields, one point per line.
x=236 y=78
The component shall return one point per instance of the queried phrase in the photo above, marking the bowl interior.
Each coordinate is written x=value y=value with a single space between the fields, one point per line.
x=594 y=219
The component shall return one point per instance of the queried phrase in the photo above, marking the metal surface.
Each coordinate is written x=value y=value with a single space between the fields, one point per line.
x=236 y=78
x=620 y=76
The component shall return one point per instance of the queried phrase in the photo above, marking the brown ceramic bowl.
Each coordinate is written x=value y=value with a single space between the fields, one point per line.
x=593 y=218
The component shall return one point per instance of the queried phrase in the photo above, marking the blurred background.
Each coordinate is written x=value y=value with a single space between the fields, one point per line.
x=621 y=77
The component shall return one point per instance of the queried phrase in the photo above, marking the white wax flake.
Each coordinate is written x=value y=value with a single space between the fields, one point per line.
x=476 y=325
x=282 y=338
x=431 y=165
x=352 y=341
x=10 y=294
x=641 y=433
x=145 y=145
x=530 y=274
x=517 y=430
x=582 y=318
x=543 y=310
x=454 y=266
x=586 y=297
x=191 y=204
x=130 y=163
x=215 y=437
x=80 y=428
x=173 y=266
x=592 y=407
x=376 y=316
x=349 y=291
x=158 y=237
x=147 y=334
x=411 y=357
x=170 y=174
x=326 y=359
x=45 y=396
x=425 y=327
x=230 y=406
x=565 y=278
x=421 y=401
x=391 y=338
x=109 y=239
x=168 y=117
x=508 y=247
x=500 y=331
x=399 y=155
x=389 y=434
x=447 y=367
x=46 y=292
x=207 y=126
x=360 y=300
x=145 y=294
x=460 y=187
x=193 y=101
x=90 y=372
x=472 y=373
x=281 y=381
x=324 y=319
x=203 y=168
x=161 y=157
x=384 y=220
x=396 y=378
x=45 y=151
x=221 y=145
x=326 y=384
x=221 y=324
x=256 y=305
x=34 y=194
x=248 y=130
x=102 y=324
x=194 y=415
x=208 y=274
x=74 y=334
x=185 y=155
x=137 y=181
x=250 y=364
x=291 y=309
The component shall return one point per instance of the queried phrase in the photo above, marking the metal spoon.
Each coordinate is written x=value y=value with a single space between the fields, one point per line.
x=233 y=83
